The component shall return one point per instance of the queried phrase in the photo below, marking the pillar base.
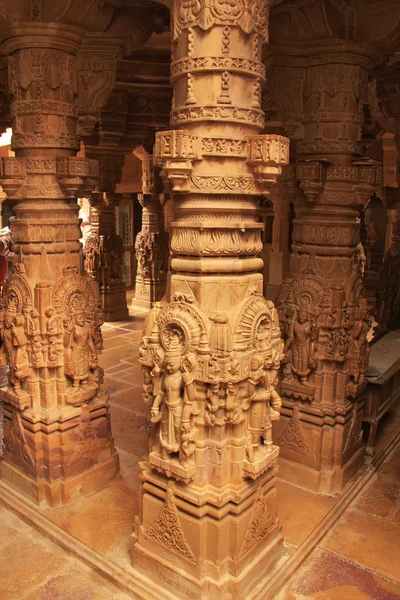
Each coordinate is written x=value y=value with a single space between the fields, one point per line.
x=324 y=482
x=55 y=462
x=113 y=299
x=320 y=454
x=199 y=548
x=147 y=292
x=142 y=303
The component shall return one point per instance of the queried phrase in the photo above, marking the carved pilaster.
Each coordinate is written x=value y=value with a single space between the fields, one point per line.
x=211 y=349
x=51 y=314
x=151 y=244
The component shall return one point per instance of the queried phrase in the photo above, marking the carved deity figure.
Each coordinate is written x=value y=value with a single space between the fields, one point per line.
x=302 y=336
x=358 y=350
x=15 y=342
x=174 y=395
x=92 y=254
x=80 y=351
x=144 y=248
x=262 y=403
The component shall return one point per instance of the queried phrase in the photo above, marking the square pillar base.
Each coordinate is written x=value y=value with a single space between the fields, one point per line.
x=201 y=543
x=55 y=462
x=113 y=299
x=320 y=454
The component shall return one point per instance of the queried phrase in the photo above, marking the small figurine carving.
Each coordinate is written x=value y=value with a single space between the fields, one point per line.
x=144 y=248
x=92 y=254
x=53 y=331
x=232 y=413
x=15 y=343
x=213 y=403
x=35 y=338
x=358 y=349
x=147 y=386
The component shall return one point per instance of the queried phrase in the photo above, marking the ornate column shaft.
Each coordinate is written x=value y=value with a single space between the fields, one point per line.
x=151 y=244
x=211 y=350
x=57 y=438
x=323 y=310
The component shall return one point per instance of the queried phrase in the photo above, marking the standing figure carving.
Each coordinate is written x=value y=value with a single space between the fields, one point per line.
x=80 y=351
x=262 y=403
x=358 y=349
x=172 y=405
x=300 y=346
x=15 y=343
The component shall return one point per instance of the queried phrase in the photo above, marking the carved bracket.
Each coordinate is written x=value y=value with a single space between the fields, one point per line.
x=327 y=183
x=266 y=155
x=96 y=79
x=75 y=174
x=175 y=151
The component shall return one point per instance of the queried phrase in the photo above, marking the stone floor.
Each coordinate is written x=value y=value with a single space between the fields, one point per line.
x=357 y=560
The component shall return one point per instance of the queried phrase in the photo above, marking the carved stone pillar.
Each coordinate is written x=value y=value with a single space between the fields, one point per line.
x=104 y=146
x=110 y=255
x=388 y=293
x=57 y=438
x=283 y=103
x=211 y=350
x=324 y=313
x=151 y=244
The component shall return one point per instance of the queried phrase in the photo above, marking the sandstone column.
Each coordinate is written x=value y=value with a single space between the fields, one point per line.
x=208 y=524
x=103 y=144
x=151 y=244
x=57 y=438
x=283 y=102
x=388 y=294
x=323 y=310
x=111 y=255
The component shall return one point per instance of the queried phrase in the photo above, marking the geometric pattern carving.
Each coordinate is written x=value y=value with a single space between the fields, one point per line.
x=167 y=529
x=261 y=523
x=292 y=437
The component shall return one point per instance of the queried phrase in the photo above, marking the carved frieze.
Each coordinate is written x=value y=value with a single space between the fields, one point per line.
x=250 y=16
